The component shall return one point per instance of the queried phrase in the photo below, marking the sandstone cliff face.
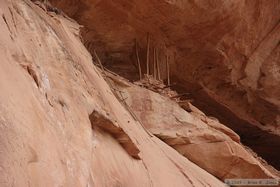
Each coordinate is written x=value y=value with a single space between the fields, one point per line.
x=229 y=48
x=63 y=124
x=199 y=138
x=60 y=123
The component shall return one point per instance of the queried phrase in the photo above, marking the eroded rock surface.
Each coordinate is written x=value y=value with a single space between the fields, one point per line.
x=49 y=89
x=103 y=121
x=203 y=140
x=229 y=48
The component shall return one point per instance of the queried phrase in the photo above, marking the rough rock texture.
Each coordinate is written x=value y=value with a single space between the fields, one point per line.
x=229 y=48
x=109 y=125
x=52 y=101
x=199 y=138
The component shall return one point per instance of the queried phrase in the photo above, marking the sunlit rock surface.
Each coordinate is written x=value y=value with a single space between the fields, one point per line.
x=49 y=92
x=199 y=138
x=229 y=48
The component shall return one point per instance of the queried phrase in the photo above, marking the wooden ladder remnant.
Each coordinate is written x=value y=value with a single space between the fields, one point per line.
x=119 y=97
x=148 y=54
x=167 y=70
x=99 y=61
x=155 y=66
x=138 y=60
x=158 y=65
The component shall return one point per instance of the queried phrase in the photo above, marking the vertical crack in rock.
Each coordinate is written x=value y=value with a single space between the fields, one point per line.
x=110 y=126
x=5 y=20
x=32 y=72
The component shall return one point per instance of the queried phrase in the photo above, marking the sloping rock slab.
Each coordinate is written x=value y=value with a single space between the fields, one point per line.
x=203 y=140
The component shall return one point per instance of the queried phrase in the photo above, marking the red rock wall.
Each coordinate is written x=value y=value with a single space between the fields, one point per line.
x=228 y=47
x=49 y=134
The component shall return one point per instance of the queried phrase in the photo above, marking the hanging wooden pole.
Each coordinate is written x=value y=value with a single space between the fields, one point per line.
x=148 y=54
x=99 y=61
x=158 y=66
x=154 y=70
x=121 y=100
x=138 y=60
x=167 y=70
